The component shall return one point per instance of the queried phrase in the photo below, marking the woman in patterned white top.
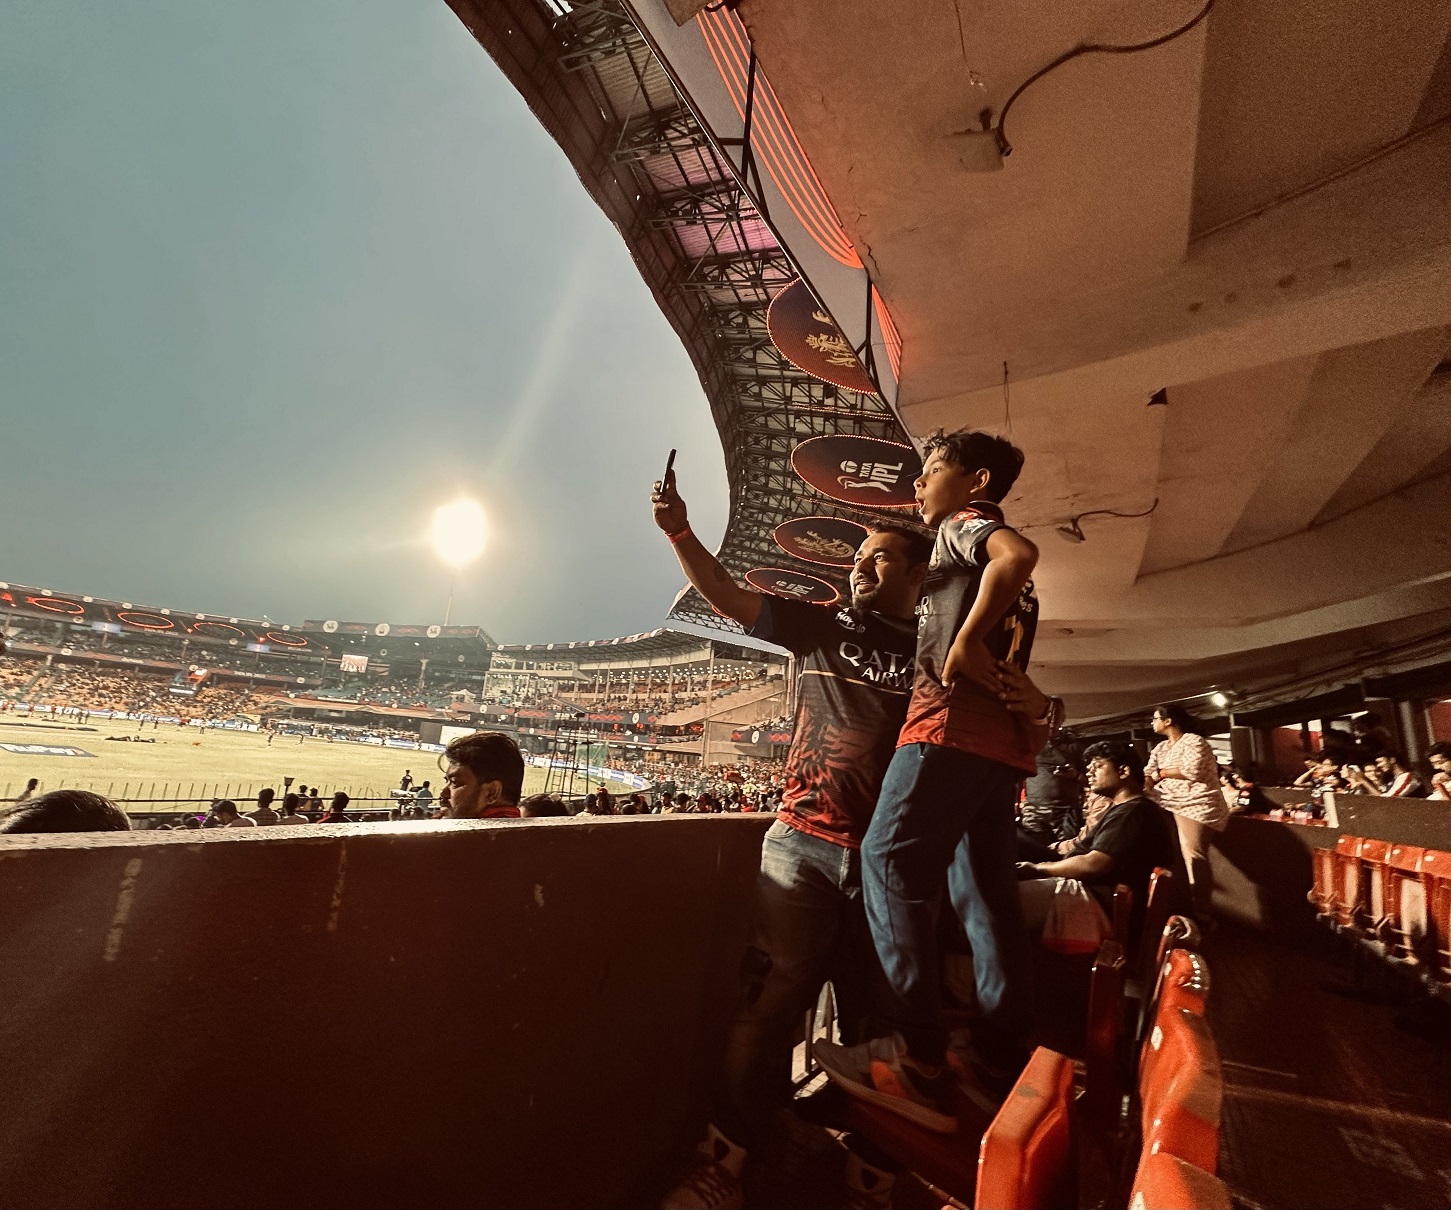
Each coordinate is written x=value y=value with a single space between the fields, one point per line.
x=1183 y=776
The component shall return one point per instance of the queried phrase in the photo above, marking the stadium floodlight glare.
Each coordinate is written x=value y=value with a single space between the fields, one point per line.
x=458 y=532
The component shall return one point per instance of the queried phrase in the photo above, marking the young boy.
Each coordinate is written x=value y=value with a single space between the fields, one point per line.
x=947 y=801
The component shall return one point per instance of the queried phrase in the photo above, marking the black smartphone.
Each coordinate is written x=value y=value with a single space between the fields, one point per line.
x=669 y=466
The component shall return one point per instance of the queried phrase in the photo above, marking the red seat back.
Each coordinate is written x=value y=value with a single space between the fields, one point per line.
x=1370 y=919
x=1183 y=984
x=1322 y=894
x=1165 y=1182
x=1405 y=902
x=1347 y=892
x=1436 y=877
x=1023 y=1161
x=1181 y=1092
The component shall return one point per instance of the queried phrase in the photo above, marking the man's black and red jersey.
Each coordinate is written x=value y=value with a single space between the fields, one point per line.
x=969 y=718
x=852 y=692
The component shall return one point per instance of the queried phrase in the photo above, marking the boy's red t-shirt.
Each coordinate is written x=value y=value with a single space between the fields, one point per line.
x=969 y=718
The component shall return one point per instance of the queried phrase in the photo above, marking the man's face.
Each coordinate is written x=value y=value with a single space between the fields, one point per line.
x=943 y=488
x=883 y=579
x=1383 y=763
x=466 y=795
x=1103 y=776
x=1442 y=764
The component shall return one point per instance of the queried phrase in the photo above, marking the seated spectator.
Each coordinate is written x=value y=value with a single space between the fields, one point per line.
x=542 y=806
x=66 y=811
x=1394 y=779
x=290 y=815
x=1249 y=799
x=1129 y=840
x=423 y=796
x=1439 y=758
x=485 y=776
x=264 y=815
x=226 y=815
x=337 y=810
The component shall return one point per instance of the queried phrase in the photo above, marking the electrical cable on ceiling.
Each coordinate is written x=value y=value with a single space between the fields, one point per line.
x=1074 y=533
x=1088 y=48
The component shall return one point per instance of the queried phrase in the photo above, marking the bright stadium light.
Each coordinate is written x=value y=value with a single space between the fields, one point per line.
x=458 y=532
x=458 y=536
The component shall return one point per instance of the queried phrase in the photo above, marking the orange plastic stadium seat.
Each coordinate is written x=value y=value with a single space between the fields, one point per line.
x=1183 y=984
x=1322 y=894
x=1405 y=903
x=1370 y=919
x=1165 y=1182
x=1347 y=881
x=1436 y=876
x=1022 y=1163
x=1182 y=1091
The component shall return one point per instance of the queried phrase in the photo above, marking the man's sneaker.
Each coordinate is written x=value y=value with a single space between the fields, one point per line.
x=715 y=1182
x=881 y=1072
x=867 y=1187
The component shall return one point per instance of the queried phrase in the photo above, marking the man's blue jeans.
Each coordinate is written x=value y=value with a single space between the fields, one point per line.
x=947 y=816
x=808 y=927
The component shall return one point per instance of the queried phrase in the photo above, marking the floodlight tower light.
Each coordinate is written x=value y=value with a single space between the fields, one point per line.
x=458 y=535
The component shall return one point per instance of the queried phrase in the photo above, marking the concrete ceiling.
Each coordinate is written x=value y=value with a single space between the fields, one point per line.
x=1252 y=218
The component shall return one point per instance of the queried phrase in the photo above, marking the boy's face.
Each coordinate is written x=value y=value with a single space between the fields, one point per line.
x=944 y=488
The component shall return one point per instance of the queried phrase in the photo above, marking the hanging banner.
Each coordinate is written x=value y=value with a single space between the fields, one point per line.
x=832 y=541
x=792 y=585
x=809 y=339
x=859 y=470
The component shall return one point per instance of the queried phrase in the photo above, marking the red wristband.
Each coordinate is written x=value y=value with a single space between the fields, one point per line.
x=678 y=534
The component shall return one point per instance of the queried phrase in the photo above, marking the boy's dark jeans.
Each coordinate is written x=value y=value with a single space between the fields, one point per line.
x=947 y=816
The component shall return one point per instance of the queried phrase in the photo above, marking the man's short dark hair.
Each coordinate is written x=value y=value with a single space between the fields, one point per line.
x=918 y=546
x=67 y=811
x=491 y=756
x=1119 y=753
x=340 y=801
x=289 y=803
x=1442 y=750
x=542 y=806
x=971 y=450
x=265 y=797
x=224 y=806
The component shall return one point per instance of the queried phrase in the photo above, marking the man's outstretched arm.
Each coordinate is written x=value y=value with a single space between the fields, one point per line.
x=701 y=567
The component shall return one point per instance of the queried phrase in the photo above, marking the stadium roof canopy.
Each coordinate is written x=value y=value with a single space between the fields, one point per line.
x=649 y=645
x=1207 y=290
x=699 y=242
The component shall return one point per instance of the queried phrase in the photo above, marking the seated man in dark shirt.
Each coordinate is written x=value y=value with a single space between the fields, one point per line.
x=1131 y=838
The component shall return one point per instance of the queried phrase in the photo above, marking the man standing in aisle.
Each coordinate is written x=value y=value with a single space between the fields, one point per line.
x=809 y=924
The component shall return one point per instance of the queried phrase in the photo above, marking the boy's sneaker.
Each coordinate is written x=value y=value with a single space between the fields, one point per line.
x=881 y=1072
x=867 y=1187
x=715 y=1182
x=985 y=1086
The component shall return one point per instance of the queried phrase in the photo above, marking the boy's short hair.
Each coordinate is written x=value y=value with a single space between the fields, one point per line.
x=490 y=756
x=918 y=546
x=971 y=450
x=1119 y=753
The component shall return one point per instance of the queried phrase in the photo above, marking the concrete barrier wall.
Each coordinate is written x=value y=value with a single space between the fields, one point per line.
x=515 y=1014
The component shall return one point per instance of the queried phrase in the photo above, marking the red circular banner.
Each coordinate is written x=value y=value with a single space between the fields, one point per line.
x=859 y=470
x=809 y=339
x=72 y=609
x=832 y=541
x=792 y=585
x=145 y=621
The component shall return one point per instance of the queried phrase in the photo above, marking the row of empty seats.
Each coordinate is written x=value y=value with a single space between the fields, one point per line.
x=1140 y=1125
x=1136 y=1123
x=1392 y=899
